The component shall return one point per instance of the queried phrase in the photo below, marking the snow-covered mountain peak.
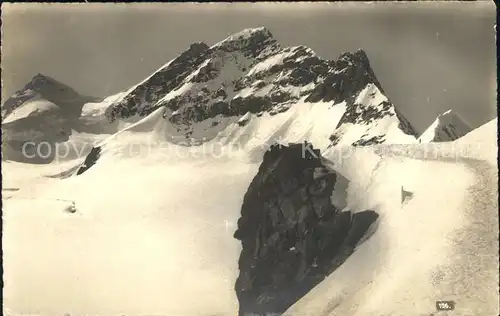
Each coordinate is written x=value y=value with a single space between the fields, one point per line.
x=246 y=37
x=44 y=110
x=41 y=79
x=42 y=87
x=448 y=126
x=446 y=113
x=206 y=89
x=38 y=84
x=251 y=43
x=359 y=57
x=45 y=84
x=370 y=119
x=245 y=34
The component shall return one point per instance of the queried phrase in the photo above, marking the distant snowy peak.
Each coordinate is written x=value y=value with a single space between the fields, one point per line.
x=369 y=117
x=250 y=72
x=372 y=119
x=448 y=126
x=42 y=87
x=45 y=110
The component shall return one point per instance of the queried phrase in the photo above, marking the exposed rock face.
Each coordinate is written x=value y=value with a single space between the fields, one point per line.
x=90 y=160
x=142 y=99
x=371 y=112
x=207 y=83
x=352 y=72
x=292 y=235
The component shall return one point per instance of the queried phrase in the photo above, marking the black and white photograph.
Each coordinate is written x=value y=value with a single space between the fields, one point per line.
x=250 y=159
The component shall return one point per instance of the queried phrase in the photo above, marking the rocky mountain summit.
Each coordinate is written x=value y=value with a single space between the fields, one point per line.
x=250 y=72
x=292 y=235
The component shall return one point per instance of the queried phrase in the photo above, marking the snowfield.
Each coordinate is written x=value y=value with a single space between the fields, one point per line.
x=152 y=233
x=160 y=251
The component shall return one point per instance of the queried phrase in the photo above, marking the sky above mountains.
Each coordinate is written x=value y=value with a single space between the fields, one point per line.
x=428 y=57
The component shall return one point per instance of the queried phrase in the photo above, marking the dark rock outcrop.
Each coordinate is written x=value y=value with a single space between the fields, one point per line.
x=90 y=160
x=292 y=236
x=351 y=73
x=370 y=141
x=142 y=99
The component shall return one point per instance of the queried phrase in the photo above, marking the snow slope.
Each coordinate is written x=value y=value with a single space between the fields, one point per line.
x=447 y=127
x=35 y=106
x=155 y=246
x=478 y=143
x=252 y=134
x=441 y=245
x=175 y=255
x=256 y=132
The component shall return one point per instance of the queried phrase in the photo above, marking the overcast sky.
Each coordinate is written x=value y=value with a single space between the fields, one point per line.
x=429 y=57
